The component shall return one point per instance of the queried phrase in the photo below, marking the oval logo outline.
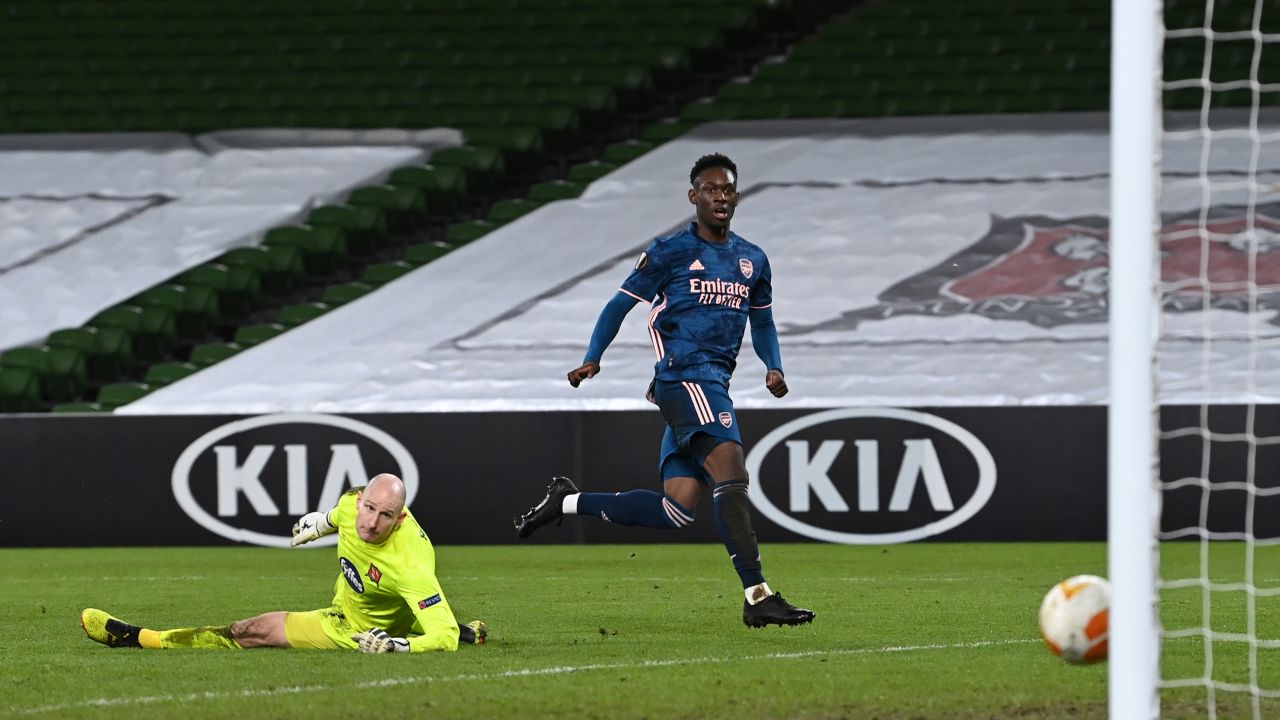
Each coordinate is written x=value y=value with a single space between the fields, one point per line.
x=351 y=574
x=981 y=495
x=180 y=480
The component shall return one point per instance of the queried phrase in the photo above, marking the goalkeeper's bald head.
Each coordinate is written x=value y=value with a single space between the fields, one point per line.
x=380 y=509
x=388 y=489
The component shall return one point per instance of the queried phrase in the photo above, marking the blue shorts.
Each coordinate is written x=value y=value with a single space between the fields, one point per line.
x=691 y=408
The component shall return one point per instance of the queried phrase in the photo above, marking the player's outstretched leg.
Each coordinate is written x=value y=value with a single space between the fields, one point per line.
x=774 y=610
x=549 y=509
x=101 y=627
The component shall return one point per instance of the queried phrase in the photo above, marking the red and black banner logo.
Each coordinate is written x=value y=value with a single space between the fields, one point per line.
x=1052 y=271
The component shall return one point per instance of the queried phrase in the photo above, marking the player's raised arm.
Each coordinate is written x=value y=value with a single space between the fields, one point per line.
x=607 y=326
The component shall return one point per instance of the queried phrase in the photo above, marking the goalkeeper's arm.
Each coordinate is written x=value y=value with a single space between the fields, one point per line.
x=312 y=526
x=440 y=632
x=433 y=618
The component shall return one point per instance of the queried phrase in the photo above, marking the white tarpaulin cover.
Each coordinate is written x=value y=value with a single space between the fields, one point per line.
x=84 y=229
x=954 y=262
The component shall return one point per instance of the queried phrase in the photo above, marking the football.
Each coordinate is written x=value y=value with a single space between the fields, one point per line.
x=1073 y=618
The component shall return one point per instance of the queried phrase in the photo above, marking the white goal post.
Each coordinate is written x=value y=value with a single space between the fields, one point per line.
x=1195 y=132
x=1133 y=498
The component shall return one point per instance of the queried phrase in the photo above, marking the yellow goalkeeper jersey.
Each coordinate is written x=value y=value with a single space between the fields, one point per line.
x=391 y=586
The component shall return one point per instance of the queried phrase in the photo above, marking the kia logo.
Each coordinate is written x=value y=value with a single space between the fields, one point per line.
x=256 y=475
x=901 y=470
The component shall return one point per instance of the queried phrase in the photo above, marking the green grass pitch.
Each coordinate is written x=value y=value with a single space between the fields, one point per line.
x=929 y=630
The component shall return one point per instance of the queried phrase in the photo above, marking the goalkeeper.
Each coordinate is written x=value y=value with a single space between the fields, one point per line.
x=386 y=597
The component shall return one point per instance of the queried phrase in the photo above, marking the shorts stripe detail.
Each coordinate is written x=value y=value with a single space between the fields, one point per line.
x=677 y=515
x=700 y=404
x=654 y=336
x=702 y=395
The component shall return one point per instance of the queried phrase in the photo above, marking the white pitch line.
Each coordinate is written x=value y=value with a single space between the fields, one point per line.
x=897 y=580
x=526 y=672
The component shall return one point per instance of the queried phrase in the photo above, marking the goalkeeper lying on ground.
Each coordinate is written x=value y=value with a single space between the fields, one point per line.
x=386 y=598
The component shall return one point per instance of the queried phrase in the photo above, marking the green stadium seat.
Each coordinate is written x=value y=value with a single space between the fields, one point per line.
x=250 y=335
x=522 y=144
x=758 y=89
x=165 y=373
x=80 y=407
x=504 y=211
x=195 y=309
x=152 y=331
x=62 y=371
x=107 y=352
x=35 y=359
x=126 y=318
x=405 y=205
x=255 y=257
x=68 y=374
x=158 y=334
x=286 y=272
x=626 y=151
x=663 y=131
x=711 y=111
x=596 y=103
x=19 y=390
x=968 y=104
x=911 y=105
x=365 y=226
x=461 y=233
x=206 y=354
x=555 y=190
x=115 y=344
x=122 y=393
x=298 y=313
x=589 y=172
x=445 y=188
x=343 y=293
x=423 y=253
x=323 y=248
x=238 y=287
x=485 y=166
x=380 y=274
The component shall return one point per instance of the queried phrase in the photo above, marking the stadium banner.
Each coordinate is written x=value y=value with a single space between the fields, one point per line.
x=848 y=475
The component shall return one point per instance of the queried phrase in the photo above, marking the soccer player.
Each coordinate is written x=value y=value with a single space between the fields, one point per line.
x=703 y=284
x=386 y=597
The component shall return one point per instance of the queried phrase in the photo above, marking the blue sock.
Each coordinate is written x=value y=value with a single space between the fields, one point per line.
x=733 y=520
x=637 y=507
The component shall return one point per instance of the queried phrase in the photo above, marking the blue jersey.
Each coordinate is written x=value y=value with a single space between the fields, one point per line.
x=699 y=294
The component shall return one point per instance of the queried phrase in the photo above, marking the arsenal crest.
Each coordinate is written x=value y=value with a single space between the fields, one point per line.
x=726 y=419
x=746 y=267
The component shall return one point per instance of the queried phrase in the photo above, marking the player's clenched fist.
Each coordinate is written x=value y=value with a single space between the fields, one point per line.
x=776 y=383
x=587 y=370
